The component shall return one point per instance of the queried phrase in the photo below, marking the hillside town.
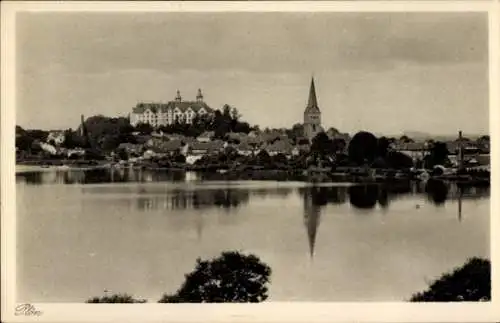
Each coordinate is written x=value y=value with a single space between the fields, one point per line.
x=193 y=136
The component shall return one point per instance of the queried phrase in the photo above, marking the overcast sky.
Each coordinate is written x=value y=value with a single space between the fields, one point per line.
x=381 y=72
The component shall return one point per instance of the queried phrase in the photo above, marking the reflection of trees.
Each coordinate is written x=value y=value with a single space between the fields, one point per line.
x=230 y=198
x=363 y=196
x=437 y=191
x=32 y=178
x=325 y=195
x=383 y=197
x=93 y=176
x=390 y=191
x=266 y=192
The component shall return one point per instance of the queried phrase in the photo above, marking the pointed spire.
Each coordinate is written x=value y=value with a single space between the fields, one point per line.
x=199 y=96
x=313 y=102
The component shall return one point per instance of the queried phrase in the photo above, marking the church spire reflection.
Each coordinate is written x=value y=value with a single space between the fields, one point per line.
x=312 y=214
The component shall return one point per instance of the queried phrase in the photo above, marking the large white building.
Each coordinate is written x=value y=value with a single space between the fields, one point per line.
x=158 y=114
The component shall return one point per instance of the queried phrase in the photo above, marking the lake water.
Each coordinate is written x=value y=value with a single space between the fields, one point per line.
x=80 y=232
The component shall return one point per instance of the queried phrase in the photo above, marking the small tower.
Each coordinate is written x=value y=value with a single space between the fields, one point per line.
x=82 y=125
x=178 y=97
x=312 y=114
x=199 y=96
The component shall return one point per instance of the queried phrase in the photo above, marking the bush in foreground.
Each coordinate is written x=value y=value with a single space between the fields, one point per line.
x=115 y=298
x=231 y=277
x=469 y=283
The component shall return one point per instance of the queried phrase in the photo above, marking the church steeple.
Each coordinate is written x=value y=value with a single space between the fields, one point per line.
x=178 y=97
x=312 y=114
x=313 y=102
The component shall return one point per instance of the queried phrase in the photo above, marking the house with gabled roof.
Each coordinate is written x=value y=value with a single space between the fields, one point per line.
x=204 y=148
x=162 y=114
x=279 y=147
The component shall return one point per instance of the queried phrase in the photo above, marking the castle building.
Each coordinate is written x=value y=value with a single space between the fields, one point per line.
x=162 y=114
x=312 y=115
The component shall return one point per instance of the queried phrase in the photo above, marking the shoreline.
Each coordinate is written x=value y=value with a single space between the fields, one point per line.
x=254 y=173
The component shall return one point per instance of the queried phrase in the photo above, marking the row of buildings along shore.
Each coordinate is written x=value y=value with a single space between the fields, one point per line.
x=273 y=141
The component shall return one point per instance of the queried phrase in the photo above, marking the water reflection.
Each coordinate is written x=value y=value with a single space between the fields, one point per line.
x=314 y=199
x=181 y=199
x=100 y=175
x=364 y=196
x=359 y=196
x=437 y=191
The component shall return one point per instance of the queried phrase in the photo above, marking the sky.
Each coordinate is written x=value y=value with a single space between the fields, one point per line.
x=382 y=72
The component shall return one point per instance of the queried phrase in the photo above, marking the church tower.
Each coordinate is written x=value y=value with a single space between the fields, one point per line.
x=312 y=115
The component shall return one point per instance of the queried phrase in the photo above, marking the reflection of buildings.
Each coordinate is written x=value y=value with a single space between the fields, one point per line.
x=181 y=199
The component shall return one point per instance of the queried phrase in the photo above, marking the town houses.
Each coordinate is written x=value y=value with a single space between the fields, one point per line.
x=169 y=142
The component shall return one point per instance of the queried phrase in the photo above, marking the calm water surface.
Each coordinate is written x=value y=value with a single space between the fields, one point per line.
x=139 y=232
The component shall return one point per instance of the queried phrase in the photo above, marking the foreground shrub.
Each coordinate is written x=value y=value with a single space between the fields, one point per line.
x=471 y=282
x=231 y=277
x=115 y=298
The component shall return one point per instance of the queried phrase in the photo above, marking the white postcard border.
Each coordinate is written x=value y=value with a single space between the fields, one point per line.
x=264 y=312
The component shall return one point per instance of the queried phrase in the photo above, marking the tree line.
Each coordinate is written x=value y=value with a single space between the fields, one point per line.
x=234 y=277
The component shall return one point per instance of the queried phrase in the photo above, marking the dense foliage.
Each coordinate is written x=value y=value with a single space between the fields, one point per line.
x=116 y=298
x=438 y=155
x=231 y=277
x=470 y=283
x=363 y=148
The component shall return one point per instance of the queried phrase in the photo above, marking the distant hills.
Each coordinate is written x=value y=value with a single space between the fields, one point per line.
x=418 y=135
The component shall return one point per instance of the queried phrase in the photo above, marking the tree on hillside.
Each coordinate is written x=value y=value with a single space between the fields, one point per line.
x=406 y=139
x=100 y=129
x=339 y=145
x=27 y=139
x=72 y=139
x=469 y=283
x=382 y=146
x=363 y=148
x=232 y=277
x=296 y=132
x=321 y=145
x=398 y=160
x=438 y=155
x=144 y=128
x=24 y=142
